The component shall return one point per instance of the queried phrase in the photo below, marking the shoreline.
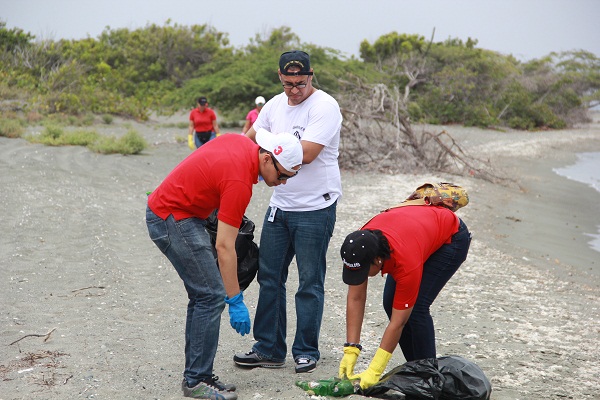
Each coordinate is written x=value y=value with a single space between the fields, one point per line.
x=547 y=223
x=77 y=259
x=548 y=219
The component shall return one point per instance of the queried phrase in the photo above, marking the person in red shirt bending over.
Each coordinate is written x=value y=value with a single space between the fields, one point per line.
x=419 y=248
x=203 y=124
x=220 y=175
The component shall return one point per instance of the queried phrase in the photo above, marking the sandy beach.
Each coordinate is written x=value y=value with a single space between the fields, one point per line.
x=92 y=309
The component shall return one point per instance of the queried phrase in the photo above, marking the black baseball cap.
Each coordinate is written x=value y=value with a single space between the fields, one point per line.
x=295 y=58
x=202 y=100
x=358 y=252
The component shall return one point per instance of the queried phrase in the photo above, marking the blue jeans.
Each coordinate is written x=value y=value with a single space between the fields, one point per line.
x=306 y=235
x=187 y=246
x=199 y=143
x=418 y=336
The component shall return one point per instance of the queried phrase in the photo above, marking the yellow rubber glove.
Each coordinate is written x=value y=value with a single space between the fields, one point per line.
x=191 y=143
x=348 y=362
x=371 y=376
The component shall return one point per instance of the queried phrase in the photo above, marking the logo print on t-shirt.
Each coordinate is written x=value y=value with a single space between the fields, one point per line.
x=277 y=151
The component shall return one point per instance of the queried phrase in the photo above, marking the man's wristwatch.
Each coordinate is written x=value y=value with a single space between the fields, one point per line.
x=357 y=345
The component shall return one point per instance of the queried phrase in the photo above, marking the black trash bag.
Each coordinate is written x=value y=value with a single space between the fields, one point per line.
x=463 y=379
x=444 y=378
x=419 y=379
x=246 y=249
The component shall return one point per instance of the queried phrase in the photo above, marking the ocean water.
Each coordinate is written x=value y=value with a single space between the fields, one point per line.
x=586 y=170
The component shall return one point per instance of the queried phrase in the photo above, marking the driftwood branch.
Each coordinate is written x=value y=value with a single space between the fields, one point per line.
x=46 y=336
x=88 y=287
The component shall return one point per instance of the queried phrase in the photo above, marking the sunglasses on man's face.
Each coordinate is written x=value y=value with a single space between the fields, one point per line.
x=280 y=176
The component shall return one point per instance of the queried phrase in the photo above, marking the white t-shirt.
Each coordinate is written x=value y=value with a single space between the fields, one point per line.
x=317 y=119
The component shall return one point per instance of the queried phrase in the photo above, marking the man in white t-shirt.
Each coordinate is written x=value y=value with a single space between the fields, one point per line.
x=299 y=221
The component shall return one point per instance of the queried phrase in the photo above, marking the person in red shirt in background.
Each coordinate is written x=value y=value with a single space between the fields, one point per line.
x=253 y=114
x=220 y=175
x=203 y=124
x=419 y=248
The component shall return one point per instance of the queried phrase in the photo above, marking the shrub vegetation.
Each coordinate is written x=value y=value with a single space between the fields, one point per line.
x=130 y=143
x=11 y=128
x=53 y=135
x=163 y=69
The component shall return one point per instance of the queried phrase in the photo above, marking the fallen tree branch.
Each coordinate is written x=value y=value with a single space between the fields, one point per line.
x=45 y=336
x=88 y=287
x=378 y=134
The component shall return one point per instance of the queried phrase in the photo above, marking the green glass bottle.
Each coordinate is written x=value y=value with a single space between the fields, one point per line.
x=328 y=387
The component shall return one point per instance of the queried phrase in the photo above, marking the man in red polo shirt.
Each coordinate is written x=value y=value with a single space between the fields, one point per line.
x=220 y=175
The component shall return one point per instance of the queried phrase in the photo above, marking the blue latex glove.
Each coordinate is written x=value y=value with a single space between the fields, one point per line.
x=239 y=318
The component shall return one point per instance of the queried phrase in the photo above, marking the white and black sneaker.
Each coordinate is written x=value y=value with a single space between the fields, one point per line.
x=305 y=364
x=251 y=359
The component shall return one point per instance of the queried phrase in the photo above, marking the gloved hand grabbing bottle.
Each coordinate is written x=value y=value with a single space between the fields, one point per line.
x=239 y=318
x=371 y=376
x=348 y=362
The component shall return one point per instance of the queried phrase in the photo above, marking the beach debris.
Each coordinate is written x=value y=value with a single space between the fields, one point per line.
x=46 y=336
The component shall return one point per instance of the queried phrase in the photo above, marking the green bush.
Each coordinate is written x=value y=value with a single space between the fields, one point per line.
x=415 y=112
x=130 y=143
x=79 y=138
x=50 y=136
x=107 y=119
x=88 y=119
x=520 y=123
x=11 y=128
x=543 y=117
x=57 y=136
x=478 y=116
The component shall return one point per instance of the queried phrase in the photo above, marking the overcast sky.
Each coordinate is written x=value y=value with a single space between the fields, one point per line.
x=525 y=28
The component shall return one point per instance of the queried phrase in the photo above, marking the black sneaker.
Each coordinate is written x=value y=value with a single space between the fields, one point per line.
x=228 y=386
x=251 y=359
x=210 y=389
x=305 y=364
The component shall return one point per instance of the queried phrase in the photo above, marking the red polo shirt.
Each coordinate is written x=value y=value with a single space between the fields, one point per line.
x=220 y=174
x=203 y=121
x=414 y=233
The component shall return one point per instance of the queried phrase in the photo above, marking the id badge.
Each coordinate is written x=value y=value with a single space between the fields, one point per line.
x=272 y=214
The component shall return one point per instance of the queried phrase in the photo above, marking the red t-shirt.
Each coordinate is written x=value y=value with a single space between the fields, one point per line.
x=220 y=174
x=203 y=121
x=414 y=233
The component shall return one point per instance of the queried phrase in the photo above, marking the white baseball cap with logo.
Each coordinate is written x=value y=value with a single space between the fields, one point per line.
x=285 y=147
x=260 y=100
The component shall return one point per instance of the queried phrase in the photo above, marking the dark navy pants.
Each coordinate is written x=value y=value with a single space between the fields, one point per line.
x=418 y=336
